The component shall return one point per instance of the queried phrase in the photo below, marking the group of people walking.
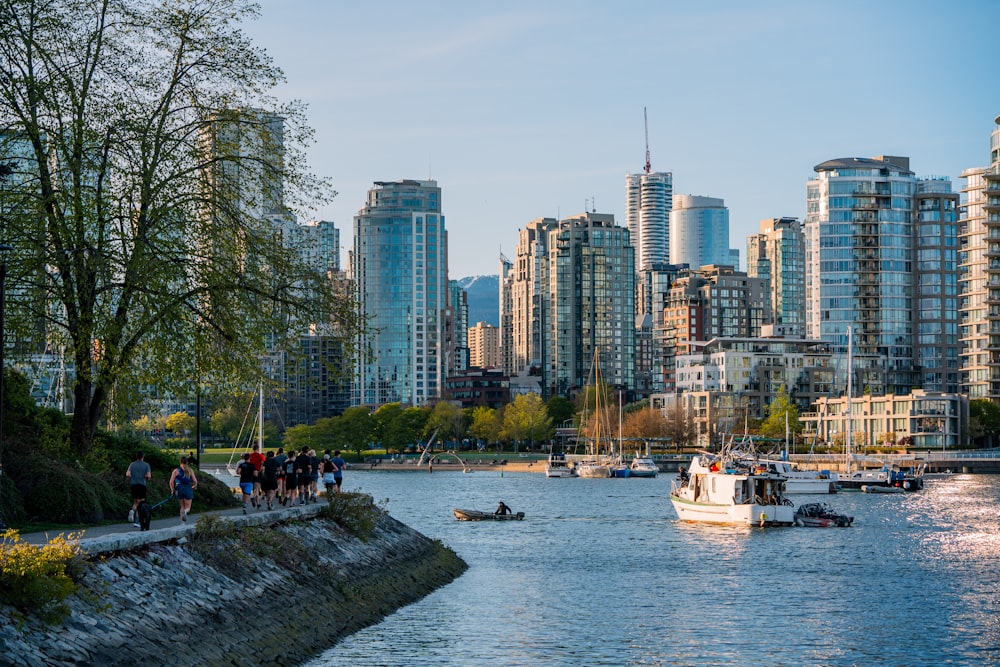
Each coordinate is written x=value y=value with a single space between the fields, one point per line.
x=288 y=479
x=271 y=479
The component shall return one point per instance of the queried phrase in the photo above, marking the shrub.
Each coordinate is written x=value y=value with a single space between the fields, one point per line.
x=357 y=513
x=37 y=580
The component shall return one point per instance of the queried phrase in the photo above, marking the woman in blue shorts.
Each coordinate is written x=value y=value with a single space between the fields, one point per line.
x=183 y=482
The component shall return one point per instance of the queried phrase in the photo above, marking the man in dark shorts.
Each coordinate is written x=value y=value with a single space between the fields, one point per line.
x=138 y=474
x=291 y=481
x=269 y=479
x=304 y=469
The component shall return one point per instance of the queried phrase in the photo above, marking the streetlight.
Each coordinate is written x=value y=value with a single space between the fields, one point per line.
x=4 y=249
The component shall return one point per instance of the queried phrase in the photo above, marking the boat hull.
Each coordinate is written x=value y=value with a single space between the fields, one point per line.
x=747 y=514
x=592 y=471
x=559 y=471
x=476 y=515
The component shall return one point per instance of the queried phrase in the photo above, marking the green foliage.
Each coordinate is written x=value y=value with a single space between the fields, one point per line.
x=37 y=580
x=235 y=550
x=180 y=423
x=485 y=426
x=560 y=409
x=357 y=513
x=355 y=428
x=984 y=419
x=137 y=134
x=448 y=420
x=774 y=425
x=527 y=419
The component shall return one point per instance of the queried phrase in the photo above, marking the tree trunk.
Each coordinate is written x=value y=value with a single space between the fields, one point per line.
x=87 y=411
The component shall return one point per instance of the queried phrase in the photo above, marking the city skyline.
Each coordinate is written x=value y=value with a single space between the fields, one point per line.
x=527 y=110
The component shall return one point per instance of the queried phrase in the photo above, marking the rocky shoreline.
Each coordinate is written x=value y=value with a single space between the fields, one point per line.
x=162 y=603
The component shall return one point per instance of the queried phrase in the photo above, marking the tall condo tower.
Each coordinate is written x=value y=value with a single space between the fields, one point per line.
x=648 y=199
x=399 y=268
x=979 y=228
x=777 y=254
x=699 y=232
x=859 y=272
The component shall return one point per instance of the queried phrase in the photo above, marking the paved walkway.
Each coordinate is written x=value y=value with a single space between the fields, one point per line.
x=166 y=528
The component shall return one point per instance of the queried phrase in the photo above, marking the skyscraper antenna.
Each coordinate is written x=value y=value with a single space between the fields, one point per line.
x=645 y=122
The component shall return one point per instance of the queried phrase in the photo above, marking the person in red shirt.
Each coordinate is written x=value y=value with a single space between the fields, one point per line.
x=257 y=461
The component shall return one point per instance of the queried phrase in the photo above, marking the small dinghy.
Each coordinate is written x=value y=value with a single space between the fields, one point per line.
x=874 y=488
x=476 y=515
x=820 y=515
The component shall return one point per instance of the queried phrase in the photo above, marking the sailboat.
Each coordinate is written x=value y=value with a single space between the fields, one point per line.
x=596 y=466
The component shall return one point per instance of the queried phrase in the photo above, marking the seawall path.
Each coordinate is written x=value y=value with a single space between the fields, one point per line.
x=153 y=598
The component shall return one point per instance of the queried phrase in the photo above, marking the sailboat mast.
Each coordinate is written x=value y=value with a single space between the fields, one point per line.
x=260 y=418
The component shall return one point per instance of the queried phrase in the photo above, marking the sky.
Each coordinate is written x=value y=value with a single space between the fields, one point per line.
x=523 y=110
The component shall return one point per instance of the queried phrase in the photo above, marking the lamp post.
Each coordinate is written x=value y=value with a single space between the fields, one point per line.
x=4 y=249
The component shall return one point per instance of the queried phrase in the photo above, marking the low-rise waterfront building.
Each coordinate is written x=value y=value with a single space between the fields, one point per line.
x=918 y=420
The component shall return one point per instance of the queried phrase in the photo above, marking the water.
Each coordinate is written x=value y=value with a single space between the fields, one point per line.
x=602 y=573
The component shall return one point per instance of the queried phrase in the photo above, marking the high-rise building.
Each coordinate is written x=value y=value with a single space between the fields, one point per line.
x=935 y=285
x=524 y=291
x=484 y=346
x=777 y=254
x=648 y=200
x=571 y=290
x=979 y=230
x=859 y=273
x=399 y=268
x=456 y=329
x=699 y=232
x=590 y=305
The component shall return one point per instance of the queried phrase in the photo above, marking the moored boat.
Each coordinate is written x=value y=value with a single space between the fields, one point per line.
x=820 y=515
x=719 y=488
x=558 y=466
x=905 y=479
x=643 y=466
x=476 y=515
x=802 y=481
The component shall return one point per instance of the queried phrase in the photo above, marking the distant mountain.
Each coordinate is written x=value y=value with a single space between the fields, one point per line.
x=484 y=299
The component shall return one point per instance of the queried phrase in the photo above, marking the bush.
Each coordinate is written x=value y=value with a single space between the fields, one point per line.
x=357 y=513
x=62 y=494
x=37 y=580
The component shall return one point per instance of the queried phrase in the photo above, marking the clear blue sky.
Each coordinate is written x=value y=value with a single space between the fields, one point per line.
x=527 y=109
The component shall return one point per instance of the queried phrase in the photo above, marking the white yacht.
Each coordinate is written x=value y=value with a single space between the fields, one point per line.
x=721 y=489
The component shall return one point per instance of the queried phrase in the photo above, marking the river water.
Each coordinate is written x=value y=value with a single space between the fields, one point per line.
x=601 y=572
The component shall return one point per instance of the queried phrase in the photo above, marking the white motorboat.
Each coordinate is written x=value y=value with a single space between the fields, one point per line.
x=718 y=488
x=801 y=481
x=558 y=466
x=643 y=466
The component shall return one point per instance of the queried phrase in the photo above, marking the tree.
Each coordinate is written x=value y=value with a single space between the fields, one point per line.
x=527 y=419
x=679 y=425
x=180 y=423
x=560 y=409
x=780 y=409
x=984 y=419
x=448 y=420
x=146 y=198
x=484 y=426
x=645 y=423
x=356 y=429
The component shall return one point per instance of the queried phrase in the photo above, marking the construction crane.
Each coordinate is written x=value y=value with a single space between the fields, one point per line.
x=645 y=122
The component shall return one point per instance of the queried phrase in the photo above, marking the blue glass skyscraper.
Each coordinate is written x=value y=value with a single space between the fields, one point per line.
x=399 y=268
